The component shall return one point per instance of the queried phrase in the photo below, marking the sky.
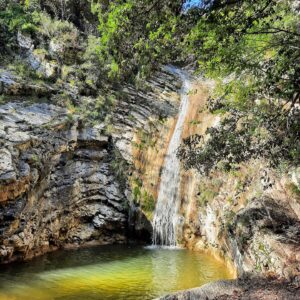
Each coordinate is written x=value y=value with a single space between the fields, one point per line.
x=194 y=2
x=191 y=3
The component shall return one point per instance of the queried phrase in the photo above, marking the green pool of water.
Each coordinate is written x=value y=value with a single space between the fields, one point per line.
x=109 y=272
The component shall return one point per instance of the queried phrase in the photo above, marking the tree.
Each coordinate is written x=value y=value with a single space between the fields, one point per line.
x=257 y=41
x=253 y=44
x=136 y=35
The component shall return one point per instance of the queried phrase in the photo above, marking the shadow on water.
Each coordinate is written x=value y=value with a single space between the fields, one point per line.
x=73 y=258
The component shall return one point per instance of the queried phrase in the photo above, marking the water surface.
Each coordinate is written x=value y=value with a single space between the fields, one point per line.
x=108 y=273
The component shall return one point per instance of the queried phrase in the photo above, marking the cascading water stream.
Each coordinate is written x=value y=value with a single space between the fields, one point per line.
x=166 y=216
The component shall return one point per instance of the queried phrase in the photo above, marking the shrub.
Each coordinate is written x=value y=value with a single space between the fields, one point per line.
x=272 y=134
x=15 y=17
x=208 y=190
x=143 y=197
x=56 y=28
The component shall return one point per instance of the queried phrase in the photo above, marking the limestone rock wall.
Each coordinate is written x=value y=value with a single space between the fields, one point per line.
x=67 y=136
x=57 y=187
x=59 y=175
x=249 y=216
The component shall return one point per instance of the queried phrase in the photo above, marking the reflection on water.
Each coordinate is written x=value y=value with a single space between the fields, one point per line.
x=109 y=272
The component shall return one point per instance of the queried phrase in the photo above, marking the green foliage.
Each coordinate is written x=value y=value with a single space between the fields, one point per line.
x=145 y=140
x=63 y=30
x=29 y=18
x=205 y=197
x=294 y=189
x=244 y=135
x=99 y=109
x=148 y=202
x=4 y=99
x=20 y=68
x=194 y=122
x=16 y=17
x=143 y=197
x=35 y=160
x=255 y=41
x=208 y=190
x=91 y=49
x=262 y=257
x=136 y=34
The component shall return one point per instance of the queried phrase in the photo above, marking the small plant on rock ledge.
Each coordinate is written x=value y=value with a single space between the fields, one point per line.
x=208 y=190
x=142 y=197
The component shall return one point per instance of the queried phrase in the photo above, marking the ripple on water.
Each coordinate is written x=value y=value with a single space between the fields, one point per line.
x=110 y=272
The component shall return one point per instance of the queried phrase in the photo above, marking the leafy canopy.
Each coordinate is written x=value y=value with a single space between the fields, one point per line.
x=257 y=42
x=251 y=48
x=136 y=35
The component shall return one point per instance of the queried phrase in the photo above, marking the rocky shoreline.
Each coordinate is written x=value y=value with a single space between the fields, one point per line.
x=240 y=289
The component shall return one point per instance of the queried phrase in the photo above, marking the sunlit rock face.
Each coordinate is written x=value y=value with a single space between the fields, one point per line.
x=61 y=178
x=59 y=185
x=248 y=216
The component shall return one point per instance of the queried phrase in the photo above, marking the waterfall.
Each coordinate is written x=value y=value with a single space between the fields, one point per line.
x=166 y=216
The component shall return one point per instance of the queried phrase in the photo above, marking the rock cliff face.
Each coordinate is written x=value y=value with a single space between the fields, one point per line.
x=67 y=138
x=58 y=182
x=57 y=186
x=60 y=175
x=249 y=215
x=235 y=217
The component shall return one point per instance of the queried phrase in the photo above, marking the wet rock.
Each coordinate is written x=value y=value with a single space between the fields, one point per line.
x=140 y=227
